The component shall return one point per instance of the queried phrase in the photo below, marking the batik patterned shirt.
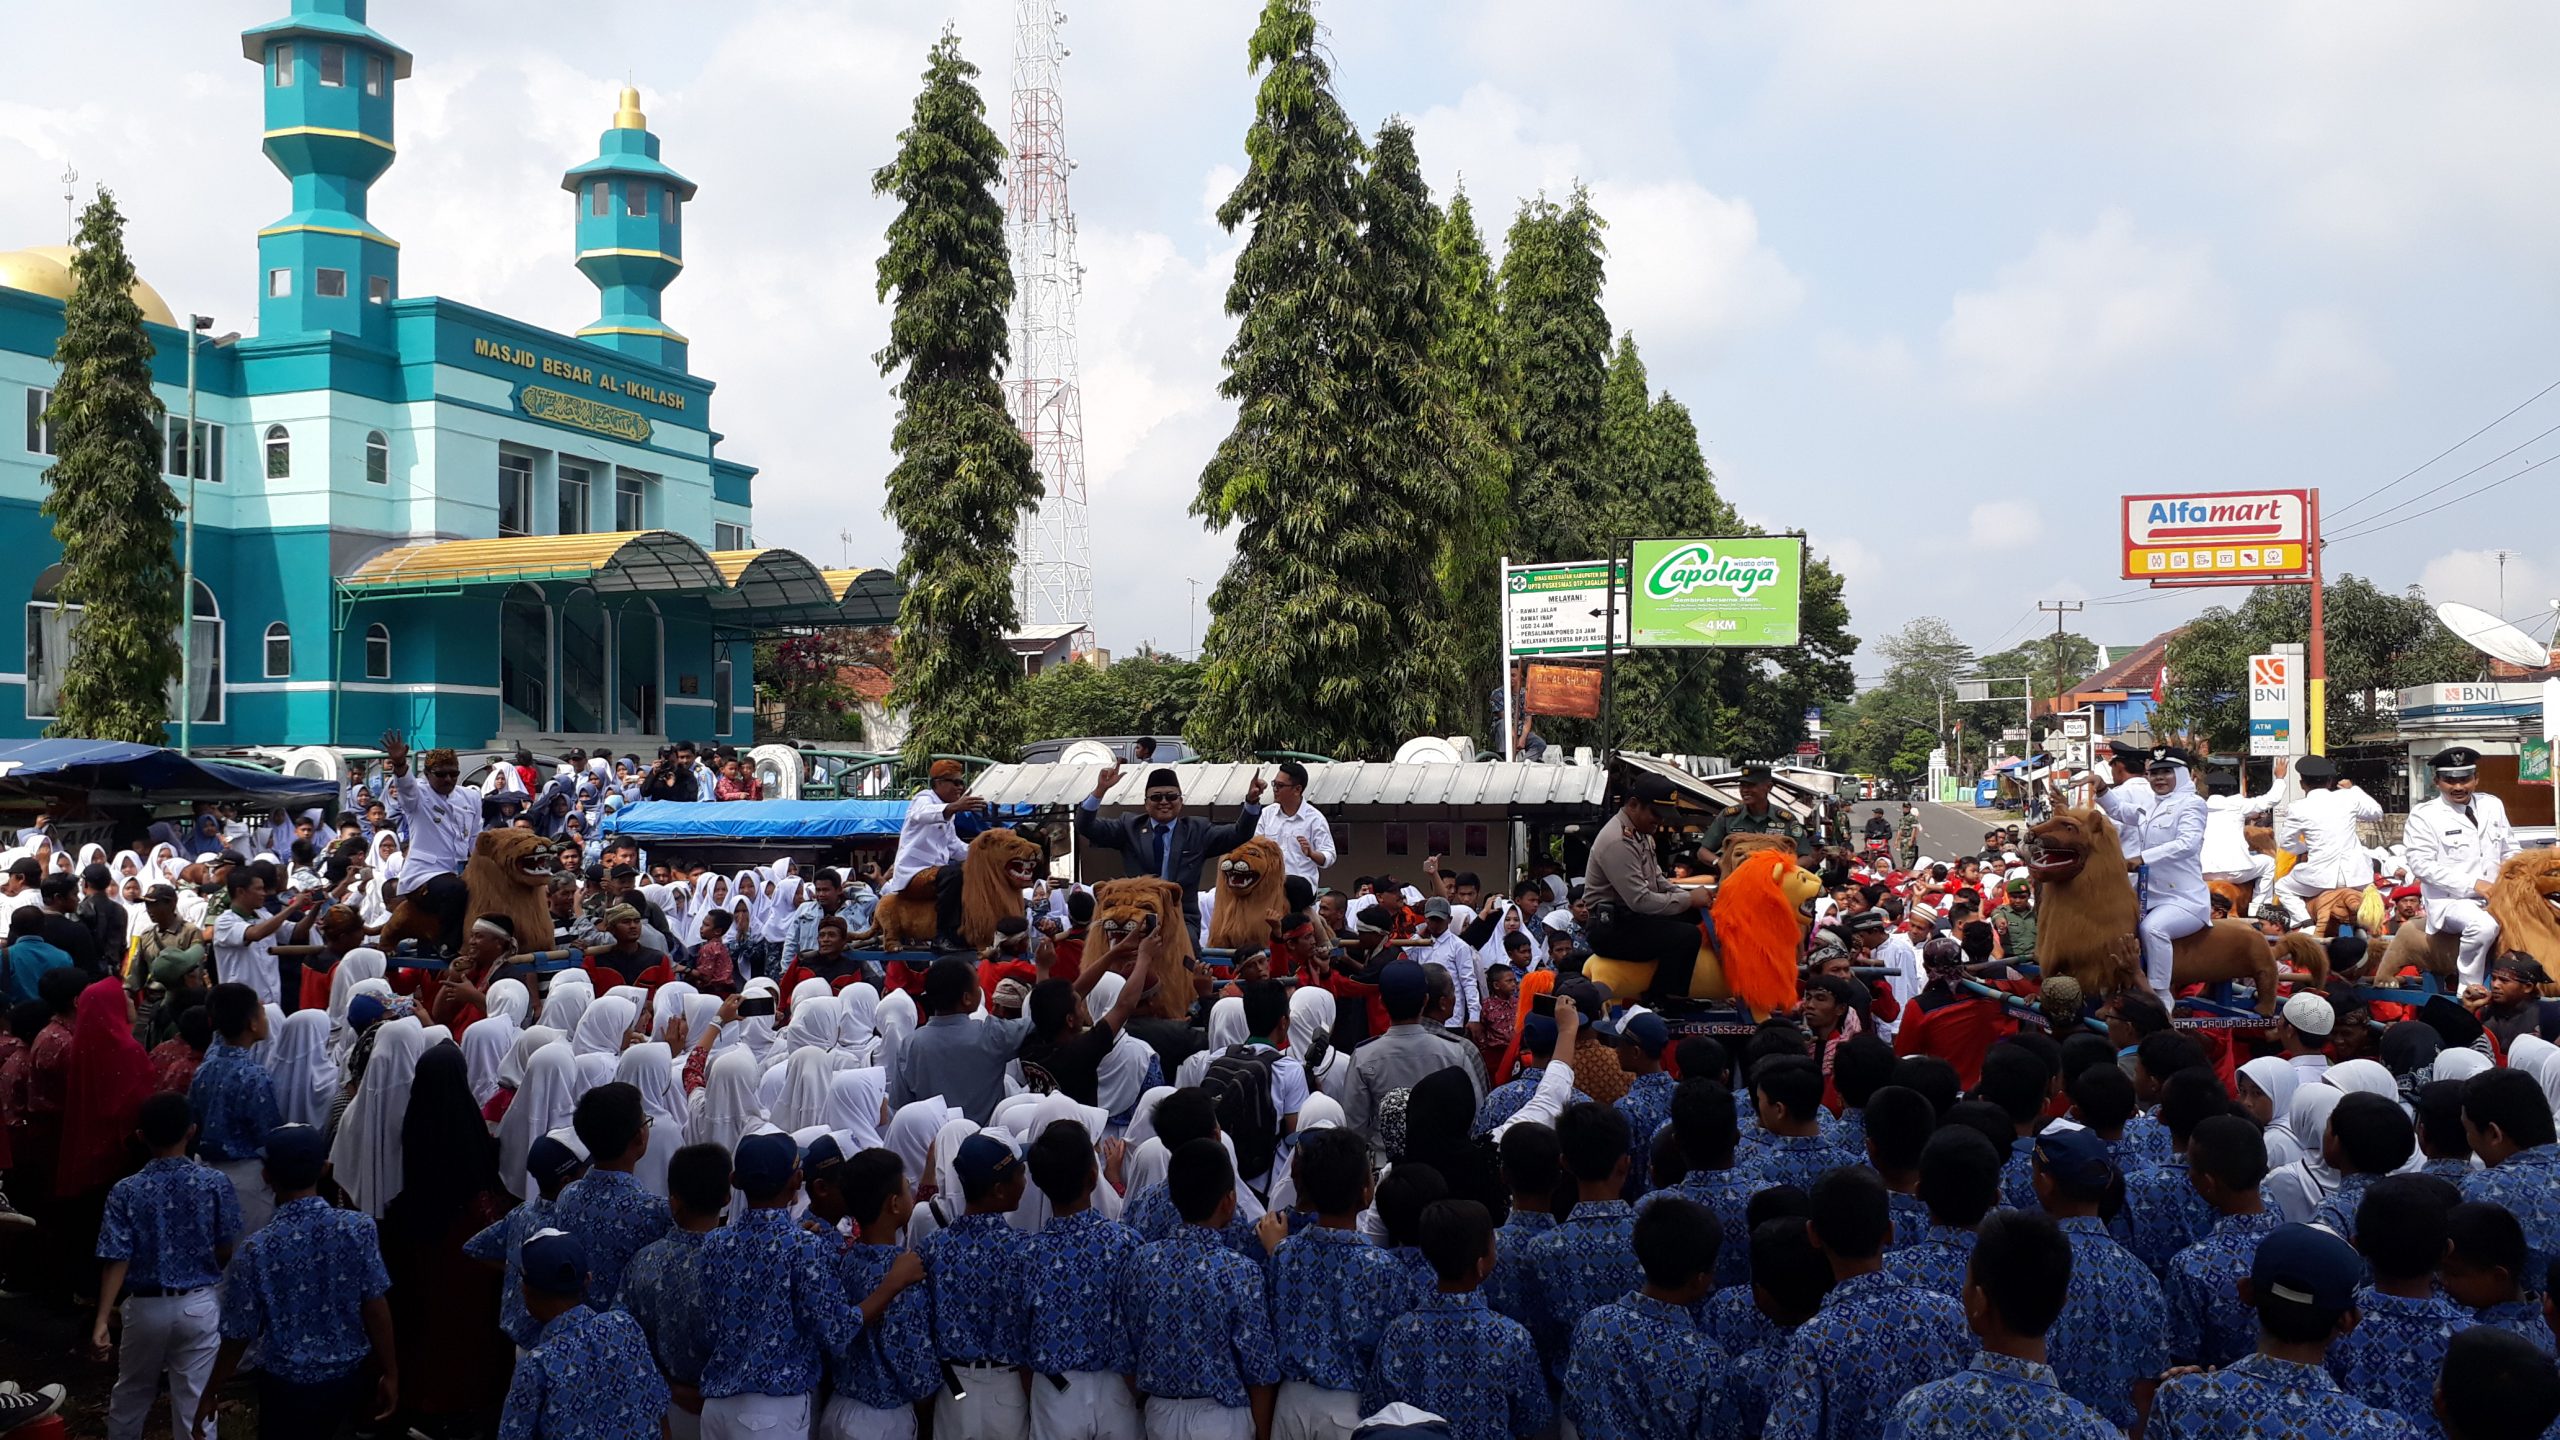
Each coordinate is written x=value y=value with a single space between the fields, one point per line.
x=1911 y=1222
x=301 y=1282
x=2523 y=1317
x=1935 y=1262
x=1333 y=1294
x=1507 y=1288
x=2207 y=1323
x=1588 y=1260
x=587 y=1376
x=1997 y=1397
x=1151 y=1213
x=1647 y=1106
x=234 y=1100
x=1505 y=1100
x=2162 y=1212
x=1642 y=1370
x=1071 y=1294
x=2338 y=1210
x=613 y=1217
x=2114 y=1323
x=2390 y=1359
x=1793 y=1159
x=1461 y=1361
x=1727 y=1196
x=772 y=1305
x=662 y=1289
x=1874 y=1339
x=2146 y=1140
x=975 y=1268
x=1198 y=1325
x=2265 y=1398
x=167 y=1221
x=2528 y=1184
x=503 y=1242
x=889 y=1365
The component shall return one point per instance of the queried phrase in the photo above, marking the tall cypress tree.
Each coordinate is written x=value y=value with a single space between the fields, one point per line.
x=1474 y=363
x=115 y=516
x=964 y=475
x=1301 y=623
x=1558 y=340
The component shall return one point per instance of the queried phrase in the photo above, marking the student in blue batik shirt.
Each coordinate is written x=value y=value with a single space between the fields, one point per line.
x=2208 y=1324
x=1076 y=1338
x=2484 y=1270
x=2440 y=1135
x=976 y=1267
x=1537 y=1051
x=1180 y=1118
x=1789 y=1277
x=1860 y=1066
x=234 y=1100
x=1333 y=1293
x=588 y=1374
x=166 y=1234
x=1703 y=1122
x=2162 y=1209
x=1532 y=1166
x=662 y=1286
x=2159 y=1058
x=1640 y=1038
x=2509 y=1122
x=1789 y=1147
x=2390 y=1359
x=2018 y=1082
x=1589 y=1259
x=2101 y=1102
x=773 y=1305
x=1875 y=1337
x=1199 y=1326
x=890 y=1366
x=1897 y=1125
x=2014 y=1288
x=1409 y=1189
x=2369 y=1137
x=2113 y=1328
x=2495 y=1385
x=1641 y=1368
x=2302 y=1285
x=607 y=1210
x=553 y=1161
x=1475 y=1369
x=1959 y=1184
x=312 y=1287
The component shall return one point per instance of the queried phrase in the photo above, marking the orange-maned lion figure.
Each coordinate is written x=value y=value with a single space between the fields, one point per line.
x=1760 y=924
x=2525 y=901
x=1122 y=908
x=509 y=873
x=2088 y=921
x=1252 y=893
x=1000 y=865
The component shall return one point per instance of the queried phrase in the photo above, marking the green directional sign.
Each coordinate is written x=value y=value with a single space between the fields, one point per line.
x=1740 y=591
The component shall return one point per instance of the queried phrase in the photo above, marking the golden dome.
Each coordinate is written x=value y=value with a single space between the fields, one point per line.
x=46 y=270
x=629 y=116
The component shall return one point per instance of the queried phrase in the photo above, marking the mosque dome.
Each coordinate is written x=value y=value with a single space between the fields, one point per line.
x=46 y=270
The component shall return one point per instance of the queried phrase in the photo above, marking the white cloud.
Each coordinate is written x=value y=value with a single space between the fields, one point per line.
x=2003 y=524
x=2078 y=307
x=2321 y=355
x=2473 y=578
x=1687 y=267
x=1885 y=360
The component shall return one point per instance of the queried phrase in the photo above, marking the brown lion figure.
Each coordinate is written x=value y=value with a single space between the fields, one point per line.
x=2525 y=901
x=509 y=874
x=1252 y=894
x=1000 y=866
x=2088 y=919
x=1124 y=907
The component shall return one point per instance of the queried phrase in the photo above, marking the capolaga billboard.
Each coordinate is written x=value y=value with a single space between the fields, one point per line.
x=1744 y=591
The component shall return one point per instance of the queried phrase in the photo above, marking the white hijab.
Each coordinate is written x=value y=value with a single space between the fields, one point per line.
x=598 y=1039
x=725 y=1109
x=306 y=1079
x=565 y=1009
x=510 y=998
x=2297 y=1190
x=911 y=1130
x=1033 y=1213
x=2461 y=1064
x=1226 y=1027
x=650 y=1068
x=2277 y=1079
x=668 y=1003
x=1311 y=1009
x=795 y=1092
x=855 y=1099
x=812 y=1027
x=547 y=1100
x=366 y=1157
x=485 y=1048
x=858 y=1027
x=354 y=968
x=511 y=1069
x=756 y=1031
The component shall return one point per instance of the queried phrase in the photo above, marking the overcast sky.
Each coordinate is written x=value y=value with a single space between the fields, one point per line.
x=1939 y=281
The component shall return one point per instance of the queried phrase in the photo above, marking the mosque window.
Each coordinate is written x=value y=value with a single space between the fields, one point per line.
x=39 y=429
x=279 y=651
x=377 y=289
x=52 y=637
x=630 y=500
x=377 y=457
x=279 y=452
x=331 y=284
x=515 y=494
x=377 y=652
x=576 y=484
x=284 y=67
x=725 y=536
x=206 y=460
x=333 y=66
x=635 y=197
x=279 y=283
x=375 y=72
x=598 y=198
x=671 y=208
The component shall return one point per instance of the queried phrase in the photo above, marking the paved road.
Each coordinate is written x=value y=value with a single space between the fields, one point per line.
x=1946 y=831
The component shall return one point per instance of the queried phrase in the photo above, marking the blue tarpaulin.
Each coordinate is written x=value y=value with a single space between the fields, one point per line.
x=776 y=822
x=151 y=772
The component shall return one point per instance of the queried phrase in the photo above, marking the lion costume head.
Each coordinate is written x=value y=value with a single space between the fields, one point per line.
x=1000 y=865
x=1122 y=908
x=1252 y=892
x=509 y=874
x=2525 y=901
x=1760 y=926
x=2088 y=921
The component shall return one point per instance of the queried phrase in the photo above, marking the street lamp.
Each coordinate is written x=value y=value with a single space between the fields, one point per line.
x=195 y=463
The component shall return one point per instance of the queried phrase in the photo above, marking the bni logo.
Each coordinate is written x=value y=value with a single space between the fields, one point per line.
x=2267 y=670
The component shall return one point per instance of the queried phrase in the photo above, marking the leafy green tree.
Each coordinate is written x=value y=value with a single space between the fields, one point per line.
x=114 y=515
x=964 y=476
x=1557 y=337
x=2379 y=642
x=1474 y=364
x=1145 y=694
x=1893 y=726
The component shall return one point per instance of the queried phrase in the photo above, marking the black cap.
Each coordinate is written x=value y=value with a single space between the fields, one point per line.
x=2455 y=762
x=1752 y=773
x=2307 y=1265
x=1651 y=789
x=161 y=892
x=26 y=868
x=2131 y=757
x=228 y=857
x=2171 y=757
x=2315 y=769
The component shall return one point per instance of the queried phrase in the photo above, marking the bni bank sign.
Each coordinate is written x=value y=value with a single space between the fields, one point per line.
x=2259 y=533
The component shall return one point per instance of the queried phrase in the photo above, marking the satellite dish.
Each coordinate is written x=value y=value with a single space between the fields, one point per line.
x=1429 y=750
x=1088 y=752
x=2492 y=636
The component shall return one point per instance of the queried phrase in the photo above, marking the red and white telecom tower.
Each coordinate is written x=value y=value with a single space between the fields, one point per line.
x=1053 y=579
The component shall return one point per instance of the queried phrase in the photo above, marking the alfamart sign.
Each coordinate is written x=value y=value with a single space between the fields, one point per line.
x=1744 y=591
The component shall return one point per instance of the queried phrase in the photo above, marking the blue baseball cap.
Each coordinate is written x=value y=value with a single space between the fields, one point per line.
x=1538 y=1034
x=2306 y=1265
x=297 y=1145
x=552 y=1159
x=2076 y=1159
x=1639 y=1025
x=984 y=1161
x=555 y=1263
x=823 y=1155
x=764 y=1163
x=1401 y=986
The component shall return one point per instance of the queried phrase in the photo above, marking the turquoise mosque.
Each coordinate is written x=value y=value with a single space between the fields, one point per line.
x=411 y=512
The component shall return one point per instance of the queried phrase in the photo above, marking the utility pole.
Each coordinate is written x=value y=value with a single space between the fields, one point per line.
x=70 y=206
x=2057 y=609
x=2502 y=580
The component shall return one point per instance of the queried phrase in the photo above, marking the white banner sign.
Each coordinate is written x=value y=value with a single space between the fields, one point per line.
x=1560 y=609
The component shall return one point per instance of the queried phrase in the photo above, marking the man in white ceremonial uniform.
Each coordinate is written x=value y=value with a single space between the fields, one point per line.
x=2166 y=856
x=2125 y=795
x=2456 y=843
x=2321 y=828
x=2227 y=856
x=929 y=838
x=444 y=822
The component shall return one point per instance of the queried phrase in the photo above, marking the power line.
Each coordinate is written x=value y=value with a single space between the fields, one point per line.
x=2445 y=504
x=2458 y=444
x=2458 y=479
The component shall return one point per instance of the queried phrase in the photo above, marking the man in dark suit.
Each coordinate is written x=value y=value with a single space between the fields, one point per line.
x=1164 y=842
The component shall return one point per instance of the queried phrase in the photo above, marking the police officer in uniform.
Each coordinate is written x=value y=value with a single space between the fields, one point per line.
x=2166 y=852
x=2455 y=843
x=1754 y=816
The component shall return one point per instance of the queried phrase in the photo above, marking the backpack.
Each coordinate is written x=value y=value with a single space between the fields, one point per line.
x=1239 y=1083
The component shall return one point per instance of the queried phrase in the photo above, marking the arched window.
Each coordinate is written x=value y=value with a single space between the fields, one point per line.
x=377 y=651
x=53 y=637
x=582 y=665
x=637 y=684
x=524 y=659
x=279 y=651
x=279 y=452
x=377 y=457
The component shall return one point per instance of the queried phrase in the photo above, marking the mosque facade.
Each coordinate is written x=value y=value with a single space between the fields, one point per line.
x=410 y=512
